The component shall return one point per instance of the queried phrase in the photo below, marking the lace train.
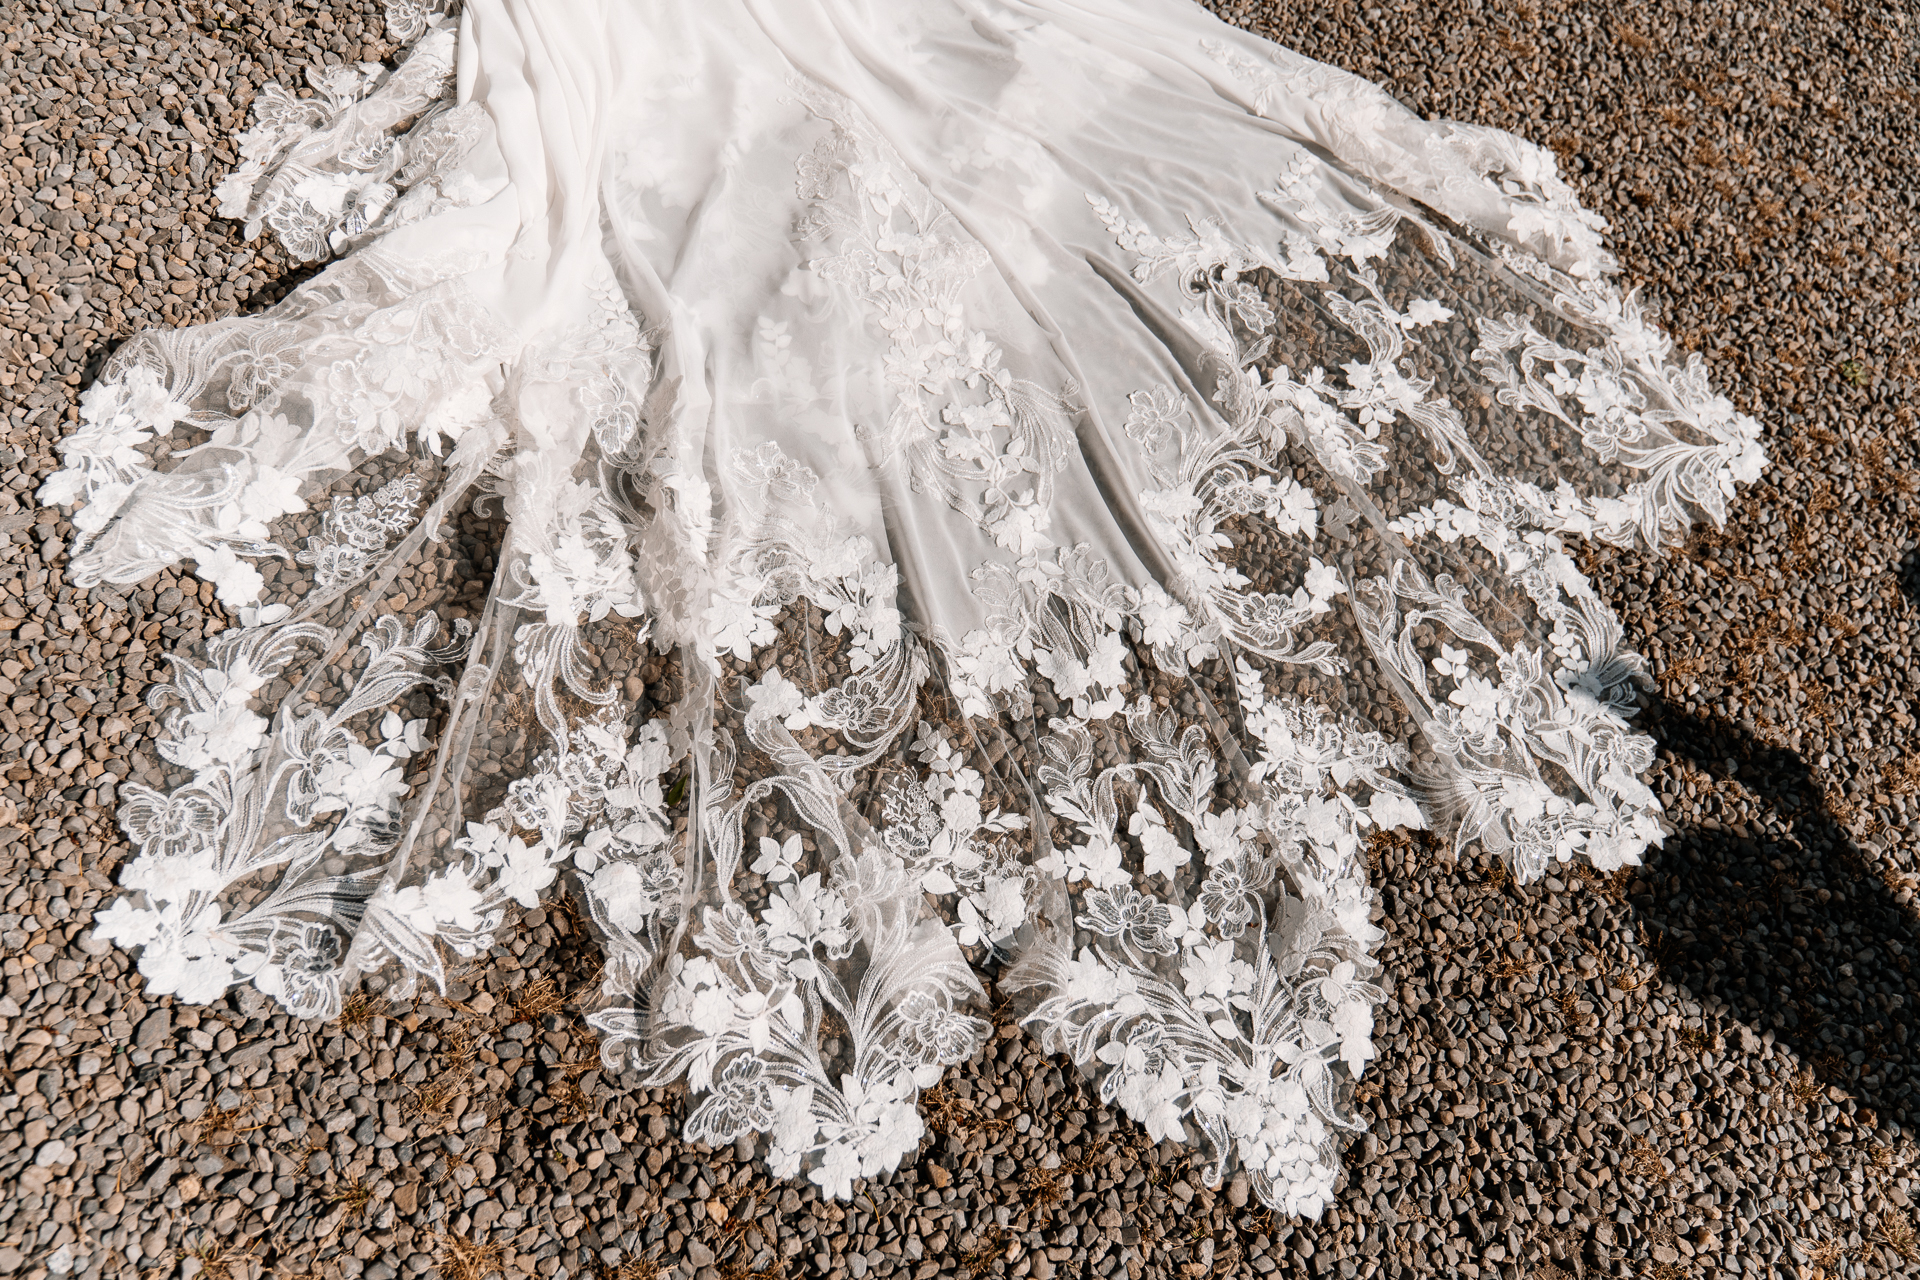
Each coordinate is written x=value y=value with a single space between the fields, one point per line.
x=1033 y=485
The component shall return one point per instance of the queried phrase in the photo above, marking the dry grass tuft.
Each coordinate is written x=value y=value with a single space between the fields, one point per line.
x=456 y=1046
x=1631 y=38
x=1806 y=1088
x=536 y=1000
x=1841 y=625
x=1883 y=475
x=1630 y=981
x=990 y=1246
x=1382 y=844
x=462 y=1259
x=1043 y=1188
x=1609 y=885
x=1645 y=1162
x=356 y=1197
x=435 y=1096
x=1903 y=779
x=217 y=1262
x=221 y=1127
x=1897 y=1233
x=359 y=1009
x=1826 y=1255
x=739 y=1271
x=948 y=1113
x=1510 y=968
x=571 y=1104
x=647 y=1268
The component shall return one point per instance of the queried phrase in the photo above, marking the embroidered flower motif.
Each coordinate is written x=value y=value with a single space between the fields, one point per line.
x=738 y=625
x=1453 y=663
x=1089 y=979
x=1211 y=970
x=1482 y=704
x=169 y=825
x=236 y=582
x=1294 y=510
x=1220 y=835
x=857 y=706
x=777 y=858
x=522 y=870
x=357 y=780
x=1227 y=900
x=1425 y=311
x=1154 y=1100
x=1322 y=584
x=447 y=898
x=730 y=931
x=775 y=695
x=631 y=891
x=993 y=913
x=1164 y=854
x=1097 y=862
x=741 y=1102
x=934 y=1034
x=127 y=925
x=1139 y=920
x=1142 y=1050
x=189 y=959
x=807 y=914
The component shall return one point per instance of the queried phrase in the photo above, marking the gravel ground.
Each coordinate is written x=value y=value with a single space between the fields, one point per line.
x=1704 y=1068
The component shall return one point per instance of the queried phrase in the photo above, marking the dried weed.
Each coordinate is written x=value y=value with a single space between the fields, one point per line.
x=462 y=1259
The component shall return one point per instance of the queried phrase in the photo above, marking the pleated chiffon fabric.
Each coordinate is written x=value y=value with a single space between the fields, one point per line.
x=868 y=498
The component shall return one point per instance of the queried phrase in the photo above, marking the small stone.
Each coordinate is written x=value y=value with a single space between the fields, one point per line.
x=153 y=1030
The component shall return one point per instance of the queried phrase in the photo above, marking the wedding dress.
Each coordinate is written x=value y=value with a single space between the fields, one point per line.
x=1030 y=487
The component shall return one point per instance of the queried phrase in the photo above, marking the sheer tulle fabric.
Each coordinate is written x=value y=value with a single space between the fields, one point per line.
x=968 y=485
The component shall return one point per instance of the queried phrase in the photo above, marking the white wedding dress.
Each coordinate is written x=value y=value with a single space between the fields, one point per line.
x=1028 y=487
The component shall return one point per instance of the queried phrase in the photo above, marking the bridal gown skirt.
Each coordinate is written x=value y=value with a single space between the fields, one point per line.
x=1030 y=488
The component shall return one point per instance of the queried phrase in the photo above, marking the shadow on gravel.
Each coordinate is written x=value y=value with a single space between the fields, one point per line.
x=1910 y=575
x=1796 y=933
x=94 y=362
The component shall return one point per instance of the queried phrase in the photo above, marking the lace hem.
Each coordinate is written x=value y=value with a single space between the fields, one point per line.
x=852 y=636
